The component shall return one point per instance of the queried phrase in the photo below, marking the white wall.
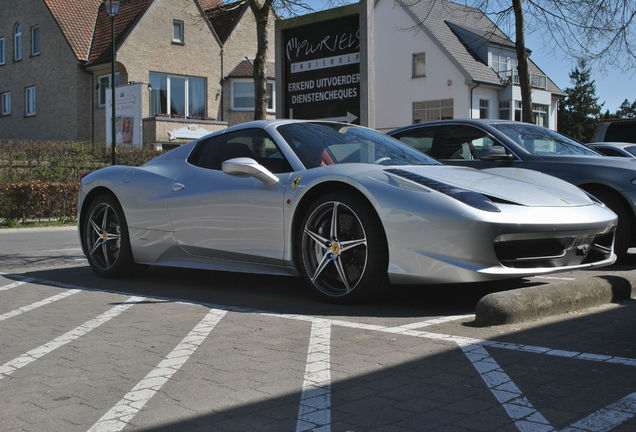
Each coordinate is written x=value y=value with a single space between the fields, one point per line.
x=395 y=41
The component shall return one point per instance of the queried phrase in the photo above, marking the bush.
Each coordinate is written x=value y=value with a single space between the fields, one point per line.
x=40 y=179
x=37 y=199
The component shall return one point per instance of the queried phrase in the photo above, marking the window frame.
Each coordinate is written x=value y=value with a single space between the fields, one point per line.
x=181 y=26
x=426 y=107
x=3 y=51
x=102 y=103
x=5 y=108
x=271 y=83
x=17 y=42
x=484 y=107
x=414 y=61
x=35 y=39
x=186 y=92
x=30 y=106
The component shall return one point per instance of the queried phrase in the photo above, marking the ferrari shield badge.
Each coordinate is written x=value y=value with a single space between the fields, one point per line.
x=296 y=182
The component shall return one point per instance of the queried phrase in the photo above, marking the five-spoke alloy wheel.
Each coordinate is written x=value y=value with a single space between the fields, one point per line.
x=342 y=248
x=105 y=238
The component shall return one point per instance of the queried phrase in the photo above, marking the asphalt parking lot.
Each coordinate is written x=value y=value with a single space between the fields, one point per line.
x=186 y=350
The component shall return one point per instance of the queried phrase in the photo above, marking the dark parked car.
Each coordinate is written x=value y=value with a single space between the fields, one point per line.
x=488 y=144
x=616 y=130
x=619 y=149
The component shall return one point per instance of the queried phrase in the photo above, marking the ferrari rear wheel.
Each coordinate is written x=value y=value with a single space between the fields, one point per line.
x=105 y=238
x=343 y=253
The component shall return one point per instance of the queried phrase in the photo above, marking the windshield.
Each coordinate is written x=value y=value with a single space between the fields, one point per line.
x=319 y=144
x=541 y=141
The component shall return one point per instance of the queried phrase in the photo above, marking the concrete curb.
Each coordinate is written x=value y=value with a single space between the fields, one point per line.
x=527 y=304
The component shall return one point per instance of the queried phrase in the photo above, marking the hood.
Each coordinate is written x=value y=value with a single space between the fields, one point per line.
x=594 y=161
x=526 y=188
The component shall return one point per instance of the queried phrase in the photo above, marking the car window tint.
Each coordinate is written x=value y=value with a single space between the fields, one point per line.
x=461 y=142
x=542 y=141
x=318 y=144
x=420 y=138
x=251 y=143
x=631 y=149
x=609 y=152
x=621 y=132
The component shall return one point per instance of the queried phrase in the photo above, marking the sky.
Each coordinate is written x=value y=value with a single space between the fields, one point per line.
x=612 y=86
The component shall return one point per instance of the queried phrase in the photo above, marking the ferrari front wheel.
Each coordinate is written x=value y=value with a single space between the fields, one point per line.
x=343 y=252
x=105 y=238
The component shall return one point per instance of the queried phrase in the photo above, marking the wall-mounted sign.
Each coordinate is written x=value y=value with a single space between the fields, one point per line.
x=128 y=122
x=321 y=63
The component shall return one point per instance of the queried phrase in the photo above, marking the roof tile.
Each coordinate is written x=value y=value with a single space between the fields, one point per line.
x=76 y=19
x=223 y=18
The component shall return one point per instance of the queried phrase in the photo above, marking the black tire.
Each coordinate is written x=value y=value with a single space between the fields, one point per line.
x=623 y=236
x=105 y=239
x=351 y=264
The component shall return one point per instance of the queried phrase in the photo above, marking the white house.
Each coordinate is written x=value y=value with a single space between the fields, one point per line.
x=438 y=59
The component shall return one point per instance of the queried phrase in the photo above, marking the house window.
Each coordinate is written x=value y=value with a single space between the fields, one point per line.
x=29 y=101
x=2 y=51
x=17 y=42
x=483 y=108
x=419 y=64
x=177 y=31
x=540 y=114
x=35 y=40
x=243 y=96
x=440 y=109
x=518 y=111
x=177 y=96
x=504 y=110
x=103 y=83
x=6 y=103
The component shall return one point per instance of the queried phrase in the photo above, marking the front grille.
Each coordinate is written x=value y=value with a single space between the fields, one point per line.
x=554 y=252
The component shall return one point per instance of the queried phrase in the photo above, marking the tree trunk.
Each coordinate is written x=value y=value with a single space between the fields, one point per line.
x=522 y=64
x=261 y=15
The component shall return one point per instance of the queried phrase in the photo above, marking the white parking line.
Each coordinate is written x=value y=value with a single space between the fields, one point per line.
x=7 y=287
x=123 y=412
x=11 y=366
x=435 y=321
x=37 y=304
x=314 y=413
x=607 y=418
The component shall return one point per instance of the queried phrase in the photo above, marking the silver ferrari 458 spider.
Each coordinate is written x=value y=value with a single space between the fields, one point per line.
x=346 y=207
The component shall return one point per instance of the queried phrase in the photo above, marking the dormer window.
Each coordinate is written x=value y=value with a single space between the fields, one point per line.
x=177 y=31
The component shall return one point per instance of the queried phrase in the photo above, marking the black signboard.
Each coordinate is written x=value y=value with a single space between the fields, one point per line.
x=322 y=70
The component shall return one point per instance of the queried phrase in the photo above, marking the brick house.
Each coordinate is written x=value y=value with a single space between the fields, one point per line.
x=55 y=60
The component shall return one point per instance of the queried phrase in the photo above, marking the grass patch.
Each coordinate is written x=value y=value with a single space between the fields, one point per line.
x=15 y=223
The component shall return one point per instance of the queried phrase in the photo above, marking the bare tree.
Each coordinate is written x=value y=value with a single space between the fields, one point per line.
x=594 y=30
x=263 y=10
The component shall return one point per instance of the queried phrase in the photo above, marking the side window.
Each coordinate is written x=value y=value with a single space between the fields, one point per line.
x=621 y=132
x=251 y=143
x=609 y=152
x=420 y=138
x=461 y=142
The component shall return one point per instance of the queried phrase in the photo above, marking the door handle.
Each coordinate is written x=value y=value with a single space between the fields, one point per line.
x=177 y=187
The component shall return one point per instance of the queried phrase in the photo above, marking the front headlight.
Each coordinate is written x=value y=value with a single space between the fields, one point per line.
x=634 y=182
x=470 y=198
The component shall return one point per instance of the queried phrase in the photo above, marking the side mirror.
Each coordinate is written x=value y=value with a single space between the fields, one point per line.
x=248 y=167
x=495 y=153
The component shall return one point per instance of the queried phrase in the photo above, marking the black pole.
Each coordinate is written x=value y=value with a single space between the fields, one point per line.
x=112 y=88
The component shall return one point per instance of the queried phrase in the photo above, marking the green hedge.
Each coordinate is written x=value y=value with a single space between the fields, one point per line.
x=40 y=179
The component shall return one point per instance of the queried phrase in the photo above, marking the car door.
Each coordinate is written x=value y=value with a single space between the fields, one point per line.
x=218 y=216
x=459 y=144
